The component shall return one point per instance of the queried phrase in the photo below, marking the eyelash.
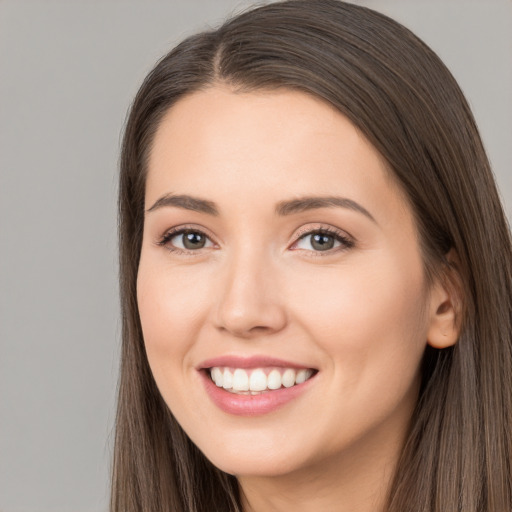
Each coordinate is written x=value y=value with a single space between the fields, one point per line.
x=345 y=242
x=339 y=236
x=169 y=235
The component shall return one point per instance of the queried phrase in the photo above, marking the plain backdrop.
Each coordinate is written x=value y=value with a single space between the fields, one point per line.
x=68 y=70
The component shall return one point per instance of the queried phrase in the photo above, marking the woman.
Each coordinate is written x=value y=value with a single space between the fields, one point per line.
x=316 y=277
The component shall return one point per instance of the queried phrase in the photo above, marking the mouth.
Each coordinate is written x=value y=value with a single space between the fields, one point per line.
x=256 y=385
x=255 y=381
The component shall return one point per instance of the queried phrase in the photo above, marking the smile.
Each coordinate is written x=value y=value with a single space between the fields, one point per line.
x=258 y=380
x=253 y=386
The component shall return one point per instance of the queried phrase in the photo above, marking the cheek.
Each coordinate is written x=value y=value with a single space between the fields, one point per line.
x=368 y=317
x=370 y=325
x=171 y=308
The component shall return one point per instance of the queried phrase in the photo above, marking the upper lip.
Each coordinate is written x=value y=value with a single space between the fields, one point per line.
x=258 y=361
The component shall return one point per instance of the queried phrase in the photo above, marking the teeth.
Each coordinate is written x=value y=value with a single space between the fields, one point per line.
x=258 y=380
x=240 y=380
x=288 y=378
x=217 y=377
x=227 y=382
x=254 y=381
x=274 y=380
x=302 y=376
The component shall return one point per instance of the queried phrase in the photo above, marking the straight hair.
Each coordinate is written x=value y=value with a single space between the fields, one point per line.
x=399 y=94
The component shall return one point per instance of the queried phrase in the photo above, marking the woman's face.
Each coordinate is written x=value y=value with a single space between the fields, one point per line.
x=277 y=247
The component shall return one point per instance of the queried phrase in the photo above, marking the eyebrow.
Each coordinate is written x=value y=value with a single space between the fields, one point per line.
x=283 y=208
x=186 y=202
x=303 y=204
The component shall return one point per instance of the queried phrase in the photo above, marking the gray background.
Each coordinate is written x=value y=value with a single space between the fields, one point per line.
x=68 y=71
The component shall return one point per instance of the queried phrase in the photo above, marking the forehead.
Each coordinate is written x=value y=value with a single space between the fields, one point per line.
x=263 y=142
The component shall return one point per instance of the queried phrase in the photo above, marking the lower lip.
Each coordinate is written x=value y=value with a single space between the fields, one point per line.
x=252 y=405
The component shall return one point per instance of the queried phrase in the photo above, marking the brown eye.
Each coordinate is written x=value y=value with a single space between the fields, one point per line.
x=323 y=241
x=186 y=240
x=192 y=240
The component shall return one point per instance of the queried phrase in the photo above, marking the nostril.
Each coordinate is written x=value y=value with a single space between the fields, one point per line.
x=259 y=329
x=248 y=333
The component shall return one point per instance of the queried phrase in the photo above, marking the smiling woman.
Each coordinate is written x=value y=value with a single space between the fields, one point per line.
x=316 y=277
x=283 y=312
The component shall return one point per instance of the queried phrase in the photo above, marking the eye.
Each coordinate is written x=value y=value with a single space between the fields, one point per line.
x=323 y=240
x=185 y=239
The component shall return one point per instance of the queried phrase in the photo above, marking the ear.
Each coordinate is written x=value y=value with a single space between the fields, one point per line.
x=446 y=305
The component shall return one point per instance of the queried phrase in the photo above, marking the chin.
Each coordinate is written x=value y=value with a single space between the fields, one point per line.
x=265 y=459
x=260 y=467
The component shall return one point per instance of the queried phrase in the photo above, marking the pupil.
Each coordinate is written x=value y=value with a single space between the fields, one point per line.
x=193 y=240
x=322 y=242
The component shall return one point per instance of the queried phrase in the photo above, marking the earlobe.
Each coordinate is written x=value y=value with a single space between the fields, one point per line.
x=446 y=307
x=443 y=331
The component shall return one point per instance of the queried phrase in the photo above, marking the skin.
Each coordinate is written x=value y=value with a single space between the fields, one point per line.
x=361 y=314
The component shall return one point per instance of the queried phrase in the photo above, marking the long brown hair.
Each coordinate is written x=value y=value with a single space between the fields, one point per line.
x=458 y=454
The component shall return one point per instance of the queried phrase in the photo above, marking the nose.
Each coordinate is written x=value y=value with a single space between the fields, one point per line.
x=250 y=303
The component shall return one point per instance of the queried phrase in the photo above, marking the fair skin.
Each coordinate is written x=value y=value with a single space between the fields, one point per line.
x=337 y=289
